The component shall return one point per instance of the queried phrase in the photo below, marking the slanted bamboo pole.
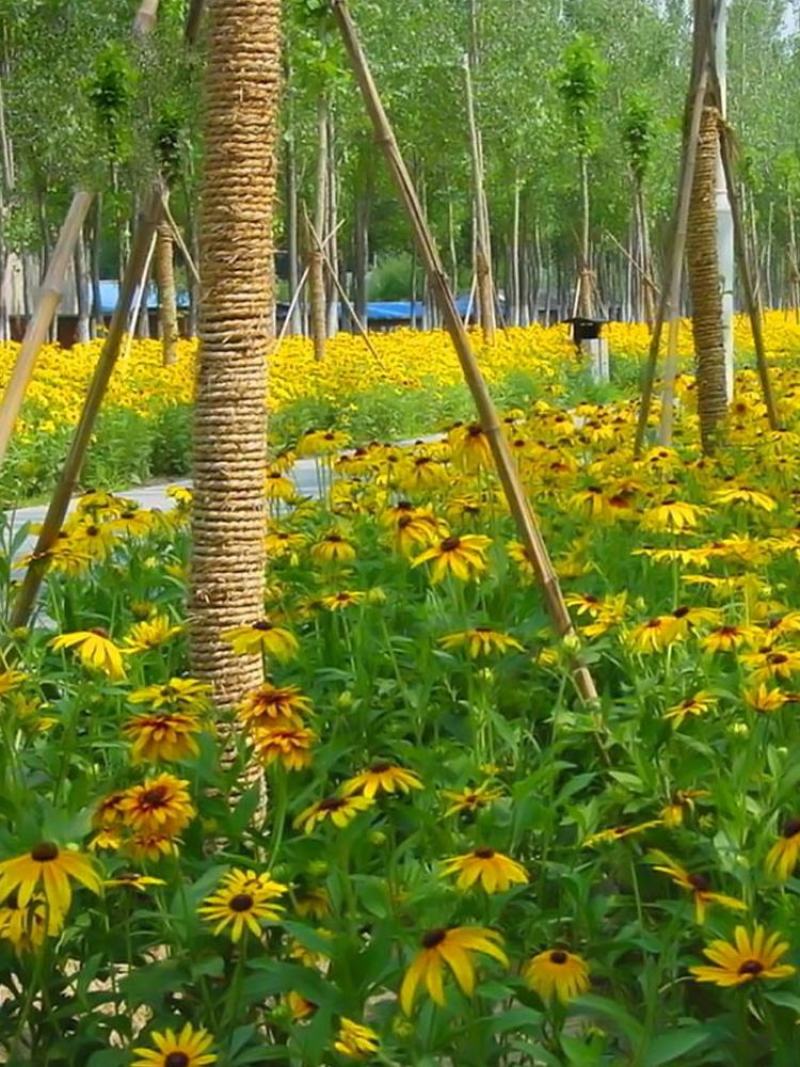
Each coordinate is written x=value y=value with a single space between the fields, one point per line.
x=519 y=506
x=139 y=298
x=65 y=486
x=669 y=304
x=38 y=327
x=299 y=291
x=341 y=291
x=145 y=21
x=179 y=241
x=483 y=250
x=752 y=297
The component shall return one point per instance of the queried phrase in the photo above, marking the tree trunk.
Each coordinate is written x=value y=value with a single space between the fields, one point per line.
x=316 y=270
x=361 y=257
x=585 y=294
x=483 y=247
x=451 y=224
x=167 y=299
x=331 y=227
x=292 y=234
x=83 y=286
x=704 y=280
x=515 y=311
x=241 y=125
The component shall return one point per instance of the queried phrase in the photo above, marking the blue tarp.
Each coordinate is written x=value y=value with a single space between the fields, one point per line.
x=399 y=310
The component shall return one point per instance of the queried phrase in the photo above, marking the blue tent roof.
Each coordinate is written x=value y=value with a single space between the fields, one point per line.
x=398 y=310
x=109 y=295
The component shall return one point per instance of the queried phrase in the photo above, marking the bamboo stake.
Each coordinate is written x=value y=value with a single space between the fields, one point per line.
x=145 y=231
x=176 y=233
x=669 y=304
x=141 y=294
x=342 y=292
x=299 y=290
x=145 y=20
x=193 y=20
x=751 y=296
x=519 y=506
x=50 y=297
x=640 y=270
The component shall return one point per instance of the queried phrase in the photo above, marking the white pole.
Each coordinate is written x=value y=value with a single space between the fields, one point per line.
x=725 y=241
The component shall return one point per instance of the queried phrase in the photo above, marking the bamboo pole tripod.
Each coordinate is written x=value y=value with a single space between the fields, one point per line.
x=527 y=525
x=144 y=234
x=704 y=82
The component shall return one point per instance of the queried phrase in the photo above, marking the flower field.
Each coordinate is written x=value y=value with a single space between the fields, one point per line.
x=413 y=844
x=413 y=386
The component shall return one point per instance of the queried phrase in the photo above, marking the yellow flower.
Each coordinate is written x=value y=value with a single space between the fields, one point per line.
x=696 y=705
x=186 y=694
x=189 y=1048
x=699 y=885
x=750 y=958
x=480 y=641
x=356 y=1041
x=160 y=806
x=266 y=705
x=672 y=516
x=495 y=871
x=770 y=663
x=464 y=557
x=262 y=637
x=468 y=801
x=333 y=548
x=96 y=651
x=312 y=902
x=133 y=880
x=619 y=833
x=470 y=447
x=286 y=742
x=381 y=777
x=742 y=494
x=652 y=636
x=726 y=639
x=162 y=735
x=51 y=867
x=344 y=599
x=451 y=947
x=299 y=1008
x=26 y=926
x=557 y=973
x=340 y=811
x=322 y=443
x=151 y=633
x=764 y=700
x=244 y=902
x=278 y=486
x=782 y=857
x=10 y=680
x=150 y=846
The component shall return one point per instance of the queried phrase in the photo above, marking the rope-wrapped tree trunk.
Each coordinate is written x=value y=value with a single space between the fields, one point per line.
x=706 y=289
x=227 y=574
x=167 y=297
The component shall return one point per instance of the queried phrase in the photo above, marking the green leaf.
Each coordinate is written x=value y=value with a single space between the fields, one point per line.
x=108 y=1057
x=517 y=1019
x=594 y=1005
x=666 y=1048
x=784 y=1000
x=580 y=1054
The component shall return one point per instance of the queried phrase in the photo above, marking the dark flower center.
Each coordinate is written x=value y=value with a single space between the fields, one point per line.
x=92 y=531
x=380 y=768
x=333 y=539
x=241 y=902
x=791 y=828
x=405 y=520
x=177 y=1059
x=593 y=489
x=474 y=430
x=681 y=613
x=700 y=882
x=44 y=852
x=558 y=956
x=751 y=967
x=263 y=625
x=450 y=544
x=484 y=853
x=433 y=938
x=155 y=797
x=98 y=631
x=331 y=804
x=777 y=658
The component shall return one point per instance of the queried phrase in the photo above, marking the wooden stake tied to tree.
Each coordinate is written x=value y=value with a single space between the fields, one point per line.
x=228 y=525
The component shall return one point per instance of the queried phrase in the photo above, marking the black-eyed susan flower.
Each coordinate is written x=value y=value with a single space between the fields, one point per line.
x=743 y=494
x=751 y=958
x=672 y=814
x=464 y=557
x=697 y=705
x=312 y=902
x=470 y=447
x=322 y=443
x=150 y=633
x=346 y=598
x=49 y=866
x=468 y=801
x=652 y=636
x=149 y=847
x=480 y=641
x=133 y=880
x=495 y=871
x=699 y=885
x=189 y=1048
x=11 y=680
x=452 y=948
x=672 y=516
x=244 y=901
x=764 y=700
x=159 y=806
x=726 y=639
x=619 y=833
x=768 y=663
x=95 y=649
x=162 y=735
x=685 y=619
x=26 y=927
x=277 y=486
x=339 y=810
x=782 y=857
x=422 y=473
x=557 y=974
x=269 y=703
x=262 y=638
x=333 y=548
x=381 y=777
x=184 y=693
x=298 y=1007
x=285 y=742
x=355 y=1041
